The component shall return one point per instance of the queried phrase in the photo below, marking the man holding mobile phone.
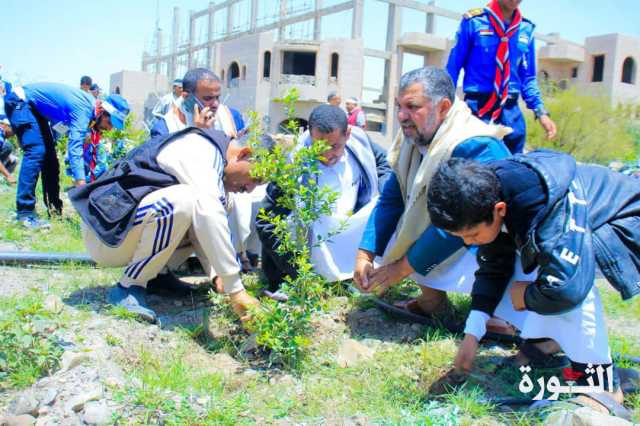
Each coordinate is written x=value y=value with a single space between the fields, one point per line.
x=199 y=107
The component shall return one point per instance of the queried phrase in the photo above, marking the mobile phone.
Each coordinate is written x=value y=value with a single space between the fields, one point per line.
x=192 y=101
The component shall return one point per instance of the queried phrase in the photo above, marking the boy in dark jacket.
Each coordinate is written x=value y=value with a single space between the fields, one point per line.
x=563 y=219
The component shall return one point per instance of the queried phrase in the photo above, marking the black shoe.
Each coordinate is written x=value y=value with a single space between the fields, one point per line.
x=133 y=300
x=11 y=163
x=169 y=285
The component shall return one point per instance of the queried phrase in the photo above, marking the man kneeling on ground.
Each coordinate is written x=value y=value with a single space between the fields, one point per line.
x=353 y=167
x=435 y=127
x=166 y=193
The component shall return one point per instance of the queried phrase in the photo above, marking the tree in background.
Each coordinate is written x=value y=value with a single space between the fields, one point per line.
x=589 y=128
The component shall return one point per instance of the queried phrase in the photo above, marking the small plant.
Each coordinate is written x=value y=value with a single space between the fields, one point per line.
x=120 y=142
x=112 y=340
x=284 y=328
x=28 y=350
x=122 y=313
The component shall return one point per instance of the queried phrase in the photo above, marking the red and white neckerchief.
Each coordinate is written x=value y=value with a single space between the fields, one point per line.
x=94 y=141
x=503 y=64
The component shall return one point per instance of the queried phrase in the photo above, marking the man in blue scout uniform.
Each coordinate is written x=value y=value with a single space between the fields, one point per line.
x=33 y=111
x=495 y=47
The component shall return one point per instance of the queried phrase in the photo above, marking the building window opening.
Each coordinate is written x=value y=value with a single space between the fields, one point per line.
x=574 y=72
x=299 y=63
x=233 y=75
x=299 y=123
x=334 y=65
x=117 y=90
x=598 y=68
x=266 y=66
x=629 y=71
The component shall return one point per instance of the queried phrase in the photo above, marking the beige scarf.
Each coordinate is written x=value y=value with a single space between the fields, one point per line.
x=225 y=120
x=414 y=173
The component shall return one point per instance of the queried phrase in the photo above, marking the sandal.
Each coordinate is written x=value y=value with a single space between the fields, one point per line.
x=537 y=358
x=629 y=379
x=607 y=401
x=411 y=310
x=449 y=382
x=413 y=306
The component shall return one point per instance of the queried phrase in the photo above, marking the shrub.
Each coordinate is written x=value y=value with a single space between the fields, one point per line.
x=589 y=128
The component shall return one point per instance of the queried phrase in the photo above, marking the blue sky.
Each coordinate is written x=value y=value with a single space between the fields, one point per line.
x=62 y=40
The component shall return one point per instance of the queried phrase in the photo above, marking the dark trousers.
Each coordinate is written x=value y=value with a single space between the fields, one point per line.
x=275 y=267
x=5 y=152
x=511 y=116
x=39 y=157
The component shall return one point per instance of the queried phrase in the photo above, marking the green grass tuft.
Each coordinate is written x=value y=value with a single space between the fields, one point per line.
x=28 y=349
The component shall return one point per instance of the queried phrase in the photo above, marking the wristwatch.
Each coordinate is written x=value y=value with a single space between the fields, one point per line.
x=540 y=111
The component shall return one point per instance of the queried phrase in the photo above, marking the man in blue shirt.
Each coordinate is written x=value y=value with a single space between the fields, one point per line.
x=33 y=111
x=495 y=47
x=8 y=161
x=435 y=127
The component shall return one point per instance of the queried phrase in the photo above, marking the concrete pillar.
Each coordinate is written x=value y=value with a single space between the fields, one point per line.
x=254 y=16
x=210 y=33
x=392 y=68
x=357 y=17
x=159 y=46
x=431 y=20
x=317 y=22
x=230 y=10
x=393 y=26
x=175 y=40
x=192 y=37
x=283 y=15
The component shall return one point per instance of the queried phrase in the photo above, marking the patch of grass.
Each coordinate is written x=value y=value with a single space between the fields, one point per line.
x=613 y=304
x=28 y=349
x=633 y=402
x=194 y=332
x=121 y=313
x=522 y=418
x=168 y=388
x=624 y=346
x=470 y=402
x=112 y=340
x=64 y=236
x=437 y=334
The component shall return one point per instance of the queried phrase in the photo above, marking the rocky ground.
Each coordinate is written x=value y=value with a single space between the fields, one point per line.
x=99 y=379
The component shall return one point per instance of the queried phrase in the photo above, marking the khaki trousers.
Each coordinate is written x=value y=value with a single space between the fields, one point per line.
x=162 y=236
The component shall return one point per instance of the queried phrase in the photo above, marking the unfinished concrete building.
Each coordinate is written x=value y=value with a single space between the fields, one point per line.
x=262 y=48
x=606 y=65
